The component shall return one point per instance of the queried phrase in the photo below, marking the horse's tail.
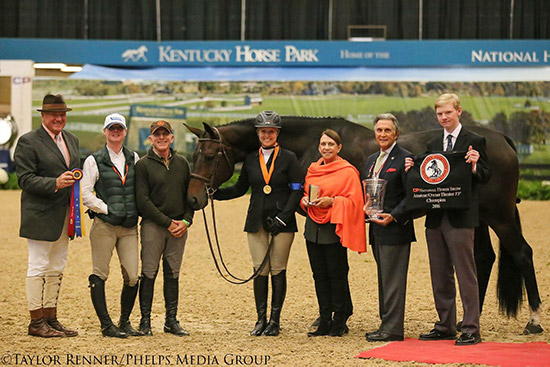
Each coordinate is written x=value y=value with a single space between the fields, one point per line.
x=510 y=280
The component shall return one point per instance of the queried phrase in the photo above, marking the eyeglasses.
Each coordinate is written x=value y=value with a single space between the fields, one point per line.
x=161 y=133
x=115 y=127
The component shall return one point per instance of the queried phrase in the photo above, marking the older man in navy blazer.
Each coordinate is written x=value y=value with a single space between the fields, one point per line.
x=392 y=232
x=44 y=158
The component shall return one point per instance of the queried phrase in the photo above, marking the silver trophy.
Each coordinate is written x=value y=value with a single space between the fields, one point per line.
x=376 y=189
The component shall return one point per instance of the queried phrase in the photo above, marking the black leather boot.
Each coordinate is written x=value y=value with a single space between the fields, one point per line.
x=97 y=291
x=260 y=297
x=278 y=286
x=146 y=289
x=338 y=326
x=171 y=291
x=323 y=329
x=127 y=301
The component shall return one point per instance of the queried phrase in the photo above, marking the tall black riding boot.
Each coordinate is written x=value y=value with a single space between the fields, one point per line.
x=97 y=291
x=260 y=297
x=127 y=301
x=146 y=289
x=278 y=286
x=171 y=291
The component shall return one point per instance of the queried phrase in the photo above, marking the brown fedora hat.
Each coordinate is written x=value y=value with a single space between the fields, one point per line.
x=54 y=103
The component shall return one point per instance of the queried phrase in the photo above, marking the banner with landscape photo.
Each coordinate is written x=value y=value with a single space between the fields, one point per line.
x=519 y=109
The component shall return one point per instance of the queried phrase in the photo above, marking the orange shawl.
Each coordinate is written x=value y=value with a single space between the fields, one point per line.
x=339 y=179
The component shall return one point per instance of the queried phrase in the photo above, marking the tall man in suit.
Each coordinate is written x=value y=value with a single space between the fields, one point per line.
x=392 y=232
x=43 y=160
x=450 y=233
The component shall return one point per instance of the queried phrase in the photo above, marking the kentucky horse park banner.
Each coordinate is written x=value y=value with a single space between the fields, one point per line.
x=429 y=53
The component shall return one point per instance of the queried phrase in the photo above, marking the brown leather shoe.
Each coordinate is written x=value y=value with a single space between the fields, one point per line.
x=50 y=316
x=56 y=325
x=39 y=327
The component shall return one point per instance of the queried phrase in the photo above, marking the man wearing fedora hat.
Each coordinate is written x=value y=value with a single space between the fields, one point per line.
x=43 y=159
x=110 y=173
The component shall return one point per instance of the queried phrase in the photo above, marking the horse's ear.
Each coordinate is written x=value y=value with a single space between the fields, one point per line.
x=194 y=130
x=209 y=130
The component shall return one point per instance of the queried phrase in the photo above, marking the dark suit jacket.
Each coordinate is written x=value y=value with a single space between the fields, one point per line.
x=401 y=231
x=468 y=218
x=38 y=162
x=281 y=202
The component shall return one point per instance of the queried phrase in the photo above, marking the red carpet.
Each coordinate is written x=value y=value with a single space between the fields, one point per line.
x=444 y=351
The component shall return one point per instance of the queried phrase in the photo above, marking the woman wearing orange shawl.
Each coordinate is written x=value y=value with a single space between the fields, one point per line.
x=335 y=222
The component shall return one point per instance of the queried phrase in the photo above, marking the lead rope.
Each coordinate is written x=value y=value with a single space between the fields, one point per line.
x=229 y=277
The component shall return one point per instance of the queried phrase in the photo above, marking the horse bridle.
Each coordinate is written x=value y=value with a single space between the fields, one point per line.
x=210 y=190
x=209 y=181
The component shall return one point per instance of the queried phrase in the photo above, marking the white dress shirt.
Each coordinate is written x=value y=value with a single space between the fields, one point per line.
x=91 y=175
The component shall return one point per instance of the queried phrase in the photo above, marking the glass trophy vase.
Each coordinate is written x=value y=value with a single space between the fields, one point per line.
x=374 y=189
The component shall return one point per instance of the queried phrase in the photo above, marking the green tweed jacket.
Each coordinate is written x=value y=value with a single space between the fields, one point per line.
x=38 y=162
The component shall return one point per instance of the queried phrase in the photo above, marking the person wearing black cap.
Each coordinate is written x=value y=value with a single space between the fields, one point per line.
x=110 y=173
x=44 y=158
x=273 y=173
x=162 y=178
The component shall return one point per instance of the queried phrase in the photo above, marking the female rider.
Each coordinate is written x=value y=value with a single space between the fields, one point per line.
x=273 y=174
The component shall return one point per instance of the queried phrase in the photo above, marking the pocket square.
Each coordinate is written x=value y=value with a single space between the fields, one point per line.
x=391 y=170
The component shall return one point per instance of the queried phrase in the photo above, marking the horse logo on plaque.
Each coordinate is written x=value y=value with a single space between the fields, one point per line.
x=434 y=168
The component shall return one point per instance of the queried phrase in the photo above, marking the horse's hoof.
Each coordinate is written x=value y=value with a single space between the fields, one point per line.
x=531 y=328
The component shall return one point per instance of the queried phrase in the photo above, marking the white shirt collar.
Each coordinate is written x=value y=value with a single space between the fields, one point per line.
x=267 y=153
x=388 y=151
x=454 y=133
x=113 y=152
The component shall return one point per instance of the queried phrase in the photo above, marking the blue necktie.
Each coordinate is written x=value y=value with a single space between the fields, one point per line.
x=449 y=143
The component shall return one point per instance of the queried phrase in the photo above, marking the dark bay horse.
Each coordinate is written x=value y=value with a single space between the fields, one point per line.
x=220 y=148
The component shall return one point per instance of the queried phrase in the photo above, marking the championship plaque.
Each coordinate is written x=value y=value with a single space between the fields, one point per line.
x=439 y=181
x=313 y=193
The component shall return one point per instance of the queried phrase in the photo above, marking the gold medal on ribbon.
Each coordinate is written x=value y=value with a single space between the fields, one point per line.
x=267 y=175
x=77 y=174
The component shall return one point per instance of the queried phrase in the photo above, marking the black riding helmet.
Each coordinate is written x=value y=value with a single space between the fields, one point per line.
x=268 y=119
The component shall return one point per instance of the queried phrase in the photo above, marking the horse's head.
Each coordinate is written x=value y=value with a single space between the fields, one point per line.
x=213 y=164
